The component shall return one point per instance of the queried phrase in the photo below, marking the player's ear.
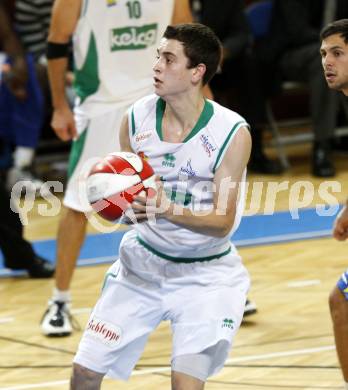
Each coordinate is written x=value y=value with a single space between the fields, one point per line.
x=198 y=73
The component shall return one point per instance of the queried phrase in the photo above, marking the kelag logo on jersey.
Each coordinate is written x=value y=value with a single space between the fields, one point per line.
x=133 y=38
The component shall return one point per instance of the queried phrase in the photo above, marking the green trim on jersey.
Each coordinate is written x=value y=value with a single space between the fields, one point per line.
x=84 y=9
x=86 y=81
x=106 y=277
x=160 y=107
x=75 y=153
x=180 y=259
x=223 y=147
x=133 y=121
x=204 y=118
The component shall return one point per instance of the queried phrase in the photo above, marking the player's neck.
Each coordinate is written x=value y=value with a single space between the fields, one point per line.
x=181 y=116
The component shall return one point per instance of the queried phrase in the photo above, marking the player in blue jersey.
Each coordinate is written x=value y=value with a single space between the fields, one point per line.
x=334 y=54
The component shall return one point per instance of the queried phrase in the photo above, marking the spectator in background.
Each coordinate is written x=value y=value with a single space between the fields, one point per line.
x=240 y=71
x=17 y=252
x=32 y=20
x=21 y=96
x=292 y=49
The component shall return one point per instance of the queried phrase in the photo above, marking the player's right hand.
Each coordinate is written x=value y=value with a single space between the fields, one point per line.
x=15 y=76
x=63 y=123
x=340 y=231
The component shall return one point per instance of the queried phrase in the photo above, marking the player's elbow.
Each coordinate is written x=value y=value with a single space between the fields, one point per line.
x=225 y=231
x=224 y=228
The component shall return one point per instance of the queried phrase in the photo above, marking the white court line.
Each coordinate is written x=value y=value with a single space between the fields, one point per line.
x=164 y=369
x=5 y=320
x=37 y=385
x=304 y=283
x=98 y=260
x=81 y=310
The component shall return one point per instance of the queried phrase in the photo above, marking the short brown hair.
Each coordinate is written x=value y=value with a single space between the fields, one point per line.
x=201 y=46
x=337 y=27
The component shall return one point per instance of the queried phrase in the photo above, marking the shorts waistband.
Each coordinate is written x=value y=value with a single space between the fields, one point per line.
x=219 y=252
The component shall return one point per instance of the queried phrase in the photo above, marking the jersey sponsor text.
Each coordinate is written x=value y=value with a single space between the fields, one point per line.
x=133 y=38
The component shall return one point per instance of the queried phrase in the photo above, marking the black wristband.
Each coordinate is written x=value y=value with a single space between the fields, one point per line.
x=57 y=50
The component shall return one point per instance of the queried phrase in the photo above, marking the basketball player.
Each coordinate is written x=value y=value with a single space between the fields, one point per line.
x=114 y=43
x=177 y=263
x=334 y=54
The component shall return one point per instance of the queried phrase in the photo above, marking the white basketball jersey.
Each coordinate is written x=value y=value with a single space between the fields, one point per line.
x=115 y=46
x=187 y=170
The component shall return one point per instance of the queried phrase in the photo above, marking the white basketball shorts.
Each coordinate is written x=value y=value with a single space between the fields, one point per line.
x=97 y=137
x=204 y=301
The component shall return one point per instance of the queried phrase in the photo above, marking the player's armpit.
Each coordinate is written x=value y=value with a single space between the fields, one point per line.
x=229 y=174
x=124 y=135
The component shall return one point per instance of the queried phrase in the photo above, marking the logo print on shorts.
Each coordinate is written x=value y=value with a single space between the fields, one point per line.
x=108 y=334
x=227 y=323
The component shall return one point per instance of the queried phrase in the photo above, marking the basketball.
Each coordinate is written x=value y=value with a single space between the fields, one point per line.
x=114 y=181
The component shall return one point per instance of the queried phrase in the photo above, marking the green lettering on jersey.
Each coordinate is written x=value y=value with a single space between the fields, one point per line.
x=133 y=38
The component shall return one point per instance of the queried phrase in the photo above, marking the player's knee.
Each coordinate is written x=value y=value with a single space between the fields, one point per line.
x=74 y=214
x=192 y=370
x=84 y=379
x=336 y=302
x=181 y=381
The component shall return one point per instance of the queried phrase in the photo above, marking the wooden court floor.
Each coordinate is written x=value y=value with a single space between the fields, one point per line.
x=288 y=344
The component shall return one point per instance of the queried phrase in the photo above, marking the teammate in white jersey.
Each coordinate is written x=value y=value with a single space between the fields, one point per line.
x=177 y=263
x=334 y=54
x=114 y=43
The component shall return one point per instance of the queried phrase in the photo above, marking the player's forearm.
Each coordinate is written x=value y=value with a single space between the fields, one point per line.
x=182 y=12
x=57 y=74
x=207 y=222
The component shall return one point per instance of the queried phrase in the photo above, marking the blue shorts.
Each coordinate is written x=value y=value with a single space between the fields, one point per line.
x=21 y=120
x=342 y=284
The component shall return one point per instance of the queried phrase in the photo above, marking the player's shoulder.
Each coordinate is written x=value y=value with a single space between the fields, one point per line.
x=226 y=115
x=224 y=123
x=143 y=111
x=146 y=103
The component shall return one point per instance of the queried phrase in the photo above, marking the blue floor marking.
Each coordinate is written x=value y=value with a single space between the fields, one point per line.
x=253 y=230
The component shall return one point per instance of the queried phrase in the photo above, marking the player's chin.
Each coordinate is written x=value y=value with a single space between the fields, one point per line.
x=158 y=89
x=158 y=92
x=333 y=84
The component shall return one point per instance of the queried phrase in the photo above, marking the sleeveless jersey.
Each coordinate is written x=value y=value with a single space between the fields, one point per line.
x=187 y=170
x=115 y=44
